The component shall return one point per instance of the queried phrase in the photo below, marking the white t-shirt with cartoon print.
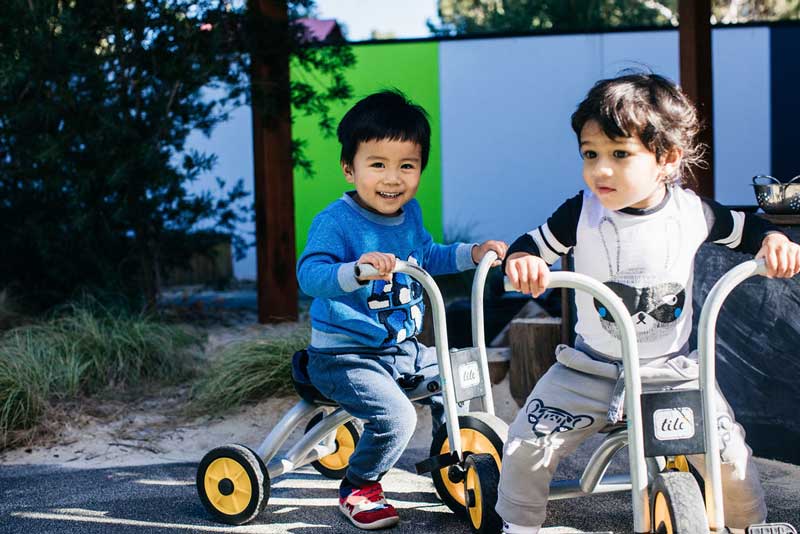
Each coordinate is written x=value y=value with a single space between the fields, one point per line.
x=645 y=256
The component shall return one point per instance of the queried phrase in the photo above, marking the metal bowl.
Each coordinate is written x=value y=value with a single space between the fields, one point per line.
x=775 y=196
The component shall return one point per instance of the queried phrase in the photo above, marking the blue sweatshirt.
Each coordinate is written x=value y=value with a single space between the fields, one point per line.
x=375 y=314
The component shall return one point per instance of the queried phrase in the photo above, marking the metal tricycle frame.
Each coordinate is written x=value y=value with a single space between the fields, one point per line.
x=639 y=465
x=707 y=348
x=592 y=480
x=320 y=439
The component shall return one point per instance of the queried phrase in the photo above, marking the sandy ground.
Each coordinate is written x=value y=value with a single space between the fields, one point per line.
x=153 y=431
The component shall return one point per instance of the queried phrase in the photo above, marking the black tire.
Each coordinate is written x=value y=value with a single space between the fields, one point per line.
x=681 y=463
x=233 y=484
x=676 y=505
x=480 y=433
x=335 y=464
x=481 y=478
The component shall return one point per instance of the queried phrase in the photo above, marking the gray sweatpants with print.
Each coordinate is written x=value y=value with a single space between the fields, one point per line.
x=566 y=407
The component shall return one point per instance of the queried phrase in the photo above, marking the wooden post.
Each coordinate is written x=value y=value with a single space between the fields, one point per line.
x=696 y=79
x=274 y=188
x=533 y=343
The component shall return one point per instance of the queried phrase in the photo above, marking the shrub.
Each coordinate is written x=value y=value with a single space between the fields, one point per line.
x=82 y=352
x=248 y=371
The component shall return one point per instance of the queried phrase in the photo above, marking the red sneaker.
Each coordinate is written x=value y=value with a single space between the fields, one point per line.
x=367 y=508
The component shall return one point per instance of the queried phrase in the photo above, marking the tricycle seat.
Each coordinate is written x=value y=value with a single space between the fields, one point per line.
x=302 y=382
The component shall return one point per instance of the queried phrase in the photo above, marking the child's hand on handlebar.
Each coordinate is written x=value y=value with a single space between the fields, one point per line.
x=527 y=273
x=383 y=262
x=479 y=251
x=781 y=256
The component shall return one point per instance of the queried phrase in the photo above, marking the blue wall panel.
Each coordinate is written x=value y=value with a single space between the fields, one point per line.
x=785 y=85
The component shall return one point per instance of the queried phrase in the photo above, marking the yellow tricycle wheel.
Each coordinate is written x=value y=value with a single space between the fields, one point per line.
x=481 y=433
x=233 y=484
x=335 y=464
x=681 y=463
x=480 y=489
x=677 y=505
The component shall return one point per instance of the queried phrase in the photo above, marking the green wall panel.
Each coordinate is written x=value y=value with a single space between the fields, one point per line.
x=413 y=69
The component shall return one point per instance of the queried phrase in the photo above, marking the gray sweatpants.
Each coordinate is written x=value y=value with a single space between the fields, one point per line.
x=568 y=406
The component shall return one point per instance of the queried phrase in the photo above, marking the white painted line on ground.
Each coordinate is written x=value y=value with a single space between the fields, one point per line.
x=165 y=482
x=286 y=510
x=245 y=529
x=332 y=502
x=81 y=511
x=305 y=483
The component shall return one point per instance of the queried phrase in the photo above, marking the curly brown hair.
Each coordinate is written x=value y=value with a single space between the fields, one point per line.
x=651 y=107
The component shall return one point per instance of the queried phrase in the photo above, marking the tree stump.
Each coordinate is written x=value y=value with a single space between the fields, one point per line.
x=533 y=342
x=499 y=358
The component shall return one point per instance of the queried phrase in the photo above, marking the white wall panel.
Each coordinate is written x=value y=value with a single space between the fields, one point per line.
x=509 y=154
x=742 y=131
x=655 y=51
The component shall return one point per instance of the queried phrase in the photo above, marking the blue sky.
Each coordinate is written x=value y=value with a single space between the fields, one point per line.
x=405 y=19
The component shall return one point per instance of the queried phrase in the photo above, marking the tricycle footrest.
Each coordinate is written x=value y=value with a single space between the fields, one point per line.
x=434 y=463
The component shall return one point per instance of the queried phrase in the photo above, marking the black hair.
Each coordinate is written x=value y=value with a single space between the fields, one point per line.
x=387 y=115
x=650 y=107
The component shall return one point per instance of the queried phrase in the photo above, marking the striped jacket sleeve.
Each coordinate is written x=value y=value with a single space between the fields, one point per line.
x=555 y=237
x=736 y=230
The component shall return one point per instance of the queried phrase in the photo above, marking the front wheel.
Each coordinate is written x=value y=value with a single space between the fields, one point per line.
x=480 y=433
x=480 y=488
x=681 y=463
x=677 y=505
x=233 y=484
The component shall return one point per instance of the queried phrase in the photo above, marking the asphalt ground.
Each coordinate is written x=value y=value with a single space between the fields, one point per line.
x=162 y=498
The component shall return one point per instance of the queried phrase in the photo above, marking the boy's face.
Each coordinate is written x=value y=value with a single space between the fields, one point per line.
x=386 y=174
x=622 y=172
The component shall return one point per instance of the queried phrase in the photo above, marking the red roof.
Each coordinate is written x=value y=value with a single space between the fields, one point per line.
x=321 y=30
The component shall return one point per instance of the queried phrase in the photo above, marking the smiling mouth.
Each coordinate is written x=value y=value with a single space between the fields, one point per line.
x=388 y=195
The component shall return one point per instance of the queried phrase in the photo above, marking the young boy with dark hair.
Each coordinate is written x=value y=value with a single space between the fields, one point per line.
x=363 y=331
x=635 y=229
